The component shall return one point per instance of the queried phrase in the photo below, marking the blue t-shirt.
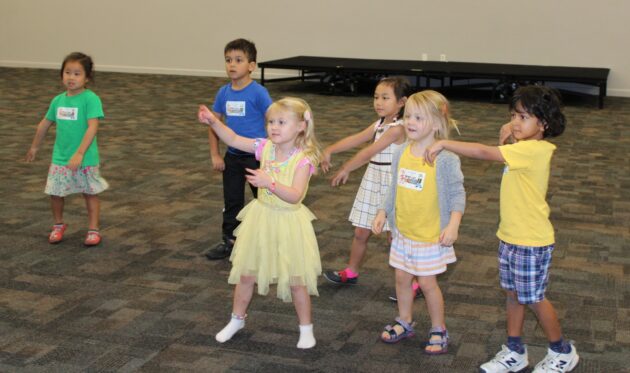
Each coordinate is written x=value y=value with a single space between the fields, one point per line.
x=243 y=110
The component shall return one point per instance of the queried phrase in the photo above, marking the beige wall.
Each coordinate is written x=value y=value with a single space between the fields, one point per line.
x=187 y=36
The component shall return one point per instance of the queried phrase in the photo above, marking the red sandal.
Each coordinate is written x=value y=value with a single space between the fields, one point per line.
x=93 y=238
x=56 y=235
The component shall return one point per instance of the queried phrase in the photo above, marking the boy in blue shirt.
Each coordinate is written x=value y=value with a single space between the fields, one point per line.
x=241 y=105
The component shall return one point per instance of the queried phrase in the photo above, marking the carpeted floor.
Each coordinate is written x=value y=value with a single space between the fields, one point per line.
x=147 y=300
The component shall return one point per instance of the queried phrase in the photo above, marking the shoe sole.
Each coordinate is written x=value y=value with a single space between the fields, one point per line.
x=526 y=369
x=395 y=300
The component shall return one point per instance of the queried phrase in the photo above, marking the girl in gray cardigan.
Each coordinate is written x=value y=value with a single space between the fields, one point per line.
x=424 y=206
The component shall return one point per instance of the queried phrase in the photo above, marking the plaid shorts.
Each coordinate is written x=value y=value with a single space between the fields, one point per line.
x=525 y=270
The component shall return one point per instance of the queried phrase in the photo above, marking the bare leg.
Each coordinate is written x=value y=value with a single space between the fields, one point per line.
x=57 y=204
x=302 y=303
x=434 y=298
x=358 y=248
x=93 y=209
x=435 y=306
x=515 y=315
x=242 y=296
x=546 y=314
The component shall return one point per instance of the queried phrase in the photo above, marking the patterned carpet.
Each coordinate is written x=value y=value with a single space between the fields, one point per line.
x=147 y=300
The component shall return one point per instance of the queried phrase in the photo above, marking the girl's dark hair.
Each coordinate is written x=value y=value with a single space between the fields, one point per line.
x=84 y=60
x=545 y=104
x=400 y=86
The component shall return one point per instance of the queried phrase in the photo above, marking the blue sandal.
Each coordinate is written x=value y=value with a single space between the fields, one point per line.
x=395 y=337
x=442 y=342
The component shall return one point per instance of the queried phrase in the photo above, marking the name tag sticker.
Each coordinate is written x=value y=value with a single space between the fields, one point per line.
x=411 y=179
x=235 y=108
x=67 y=113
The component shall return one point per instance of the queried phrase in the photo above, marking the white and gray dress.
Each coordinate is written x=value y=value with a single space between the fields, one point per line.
x=375 y=181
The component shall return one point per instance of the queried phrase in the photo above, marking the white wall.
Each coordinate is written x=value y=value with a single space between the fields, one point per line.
x=188 y=36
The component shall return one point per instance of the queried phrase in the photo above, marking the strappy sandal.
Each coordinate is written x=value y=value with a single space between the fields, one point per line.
x=56 y=235
x=395 y=337
x=442 y=342
x=92 y=238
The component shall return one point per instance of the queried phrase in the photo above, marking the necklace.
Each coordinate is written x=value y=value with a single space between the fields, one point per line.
x=274 y=166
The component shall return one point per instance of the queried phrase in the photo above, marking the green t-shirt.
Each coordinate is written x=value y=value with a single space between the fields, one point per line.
x=71 y=114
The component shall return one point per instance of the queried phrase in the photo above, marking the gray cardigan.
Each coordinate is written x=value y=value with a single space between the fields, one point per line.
x=450 y=186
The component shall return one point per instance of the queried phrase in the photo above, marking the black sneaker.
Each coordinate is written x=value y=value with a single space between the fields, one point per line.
x=340 y=278
x=220 y=251
x=419 y=294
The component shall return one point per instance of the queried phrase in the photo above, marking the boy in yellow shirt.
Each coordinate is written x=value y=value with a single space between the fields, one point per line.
x=526 y=234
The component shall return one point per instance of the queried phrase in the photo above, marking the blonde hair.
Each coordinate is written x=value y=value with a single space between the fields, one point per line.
x=436 y=107
x=306 y=140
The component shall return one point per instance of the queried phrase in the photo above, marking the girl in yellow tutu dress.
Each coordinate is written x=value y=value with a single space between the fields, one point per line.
x=275 y=242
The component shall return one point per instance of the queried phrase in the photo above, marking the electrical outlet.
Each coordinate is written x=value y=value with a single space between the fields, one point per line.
x=425 y=57
x=443 y=57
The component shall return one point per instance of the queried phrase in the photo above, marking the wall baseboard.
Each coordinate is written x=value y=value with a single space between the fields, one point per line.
x=615 y=92
x=618 y=92
x=136 y=69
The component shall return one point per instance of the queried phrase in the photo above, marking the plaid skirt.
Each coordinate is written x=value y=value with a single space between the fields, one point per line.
x=371 y=192
x=62 y=181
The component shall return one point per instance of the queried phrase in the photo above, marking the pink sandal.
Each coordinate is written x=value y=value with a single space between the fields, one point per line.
x=56 y=235
x=93 y=238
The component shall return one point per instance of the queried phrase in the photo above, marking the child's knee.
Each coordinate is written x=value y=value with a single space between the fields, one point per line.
x=428 y=283
x=362 y=234
x=403 y=278
x=512 y=297
x=248 y=280
x=297 y=289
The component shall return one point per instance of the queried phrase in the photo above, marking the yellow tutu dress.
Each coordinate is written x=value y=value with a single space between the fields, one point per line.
x=275 y=241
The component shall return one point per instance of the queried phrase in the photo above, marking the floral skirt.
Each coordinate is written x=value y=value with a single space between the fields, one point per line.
x=62 y=181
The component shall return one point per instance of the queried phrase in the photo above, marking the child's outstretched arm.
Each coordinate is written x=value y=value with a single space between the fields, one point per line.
x=393 y=135
x=224 y=132
x=289 y=193
x=42 y=129
x=467 y=149
x=344 y=144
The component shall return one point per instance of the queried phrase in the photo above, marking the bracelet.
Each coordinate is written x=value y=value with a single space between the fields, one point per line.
x=272 y=188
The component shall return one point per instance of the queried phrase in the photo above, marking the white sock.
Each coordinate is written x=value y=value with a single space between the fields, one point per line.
x=307 y=339
x=236 y=323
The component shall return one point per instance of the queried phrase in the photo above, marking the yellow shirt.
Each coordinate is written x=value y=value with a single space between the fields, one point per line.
x=524 y=209
x=417 y=206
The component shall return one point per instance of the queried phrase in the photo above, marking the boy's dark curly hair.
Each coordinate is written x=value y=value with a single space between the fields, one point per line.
x=545 y=104
x=243 y=45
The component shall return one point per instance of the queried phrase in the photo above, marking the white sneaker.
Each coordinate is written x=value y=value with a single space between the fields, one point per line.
x=506 y=361
x=556 y=362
